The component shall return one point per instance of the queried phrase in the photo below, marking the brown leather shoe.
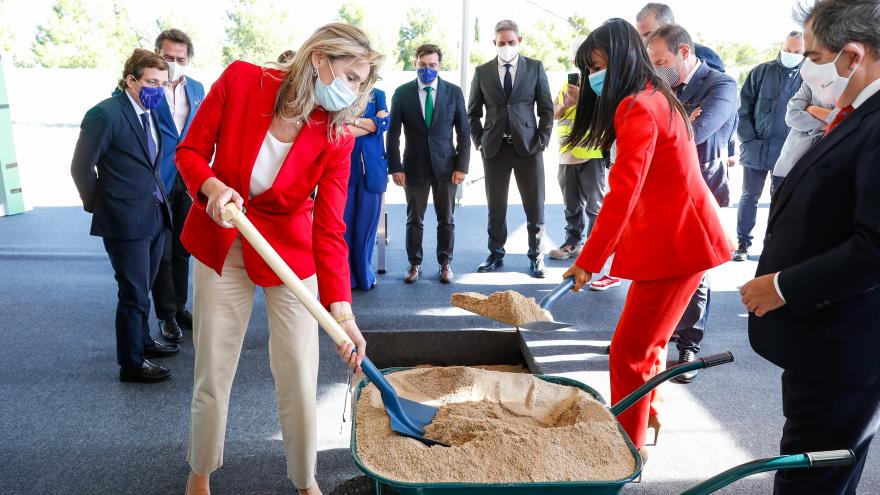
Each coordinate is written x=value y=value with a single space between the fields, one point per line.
x=446 y=275
x=413 y=274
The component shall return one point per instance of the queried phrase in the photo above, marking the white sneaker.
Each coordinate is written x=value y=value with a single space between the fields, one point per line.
x=565 y=251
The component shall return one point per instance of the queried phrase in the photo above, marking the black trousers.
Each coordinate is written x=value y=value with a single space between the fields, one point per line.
x=529 y=174
x=690 y=330
x=135 y=264
x=824 y=416
x=444 y=207
x=171 y=287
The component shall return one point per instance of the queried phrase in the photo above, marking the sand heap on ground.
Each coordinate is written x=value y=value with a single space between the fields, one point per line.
x=502 y=427
x=508 y=306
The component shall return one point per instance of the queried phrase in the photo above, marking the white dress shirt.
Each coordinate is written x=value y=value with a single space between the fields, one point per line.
x=272 y=155
x=693 y=71
x=139 y=111
x=502 y=69
x=178 y=104
x=423 y=94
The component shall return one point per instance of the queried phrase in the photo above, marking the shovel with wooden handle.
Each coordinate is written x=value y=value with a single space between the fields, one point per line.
x=408 y=418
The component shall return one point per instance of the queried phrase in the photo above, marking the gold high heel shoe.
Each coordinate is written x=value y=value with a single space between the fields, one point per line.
x=189 y=478
x=654 y=424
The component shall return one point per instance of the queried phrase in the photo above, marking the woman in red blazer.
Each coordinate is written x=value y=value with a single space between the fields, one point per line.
x=658 y=201
x=274 y=135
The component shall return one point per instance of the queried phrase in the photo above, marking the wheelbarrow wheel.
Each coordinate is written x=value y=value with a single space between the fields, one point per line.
x=359 y=485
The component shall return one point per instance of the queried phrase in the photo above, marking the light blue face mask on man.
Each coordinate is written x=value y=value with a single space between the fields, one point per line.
x=597 y=81
x=335 y=96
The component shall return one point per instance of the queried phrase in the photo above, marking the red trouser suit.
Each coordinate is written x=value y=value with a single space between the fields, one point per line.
x=660 y=222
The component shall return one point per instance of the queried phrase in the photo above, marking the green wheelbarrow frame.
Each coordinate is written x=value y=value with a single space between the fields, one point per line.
x=818 y=459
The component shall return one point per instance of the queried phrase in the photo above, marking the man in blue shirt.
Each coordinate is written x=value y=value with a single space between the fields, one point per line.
x=762 y=130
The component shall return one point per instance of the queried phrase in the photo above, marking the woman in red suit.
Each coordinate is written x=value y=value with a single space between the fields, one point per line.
x=658 y=201
x=274 y=135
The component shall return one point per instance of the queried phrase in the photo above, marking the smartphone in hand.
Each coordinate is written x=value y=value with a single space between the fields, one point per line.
x=574 y=78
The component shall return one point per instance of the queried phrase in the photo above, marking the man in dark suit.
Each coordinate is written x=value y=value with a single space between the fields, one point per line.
x=813 y=304
x=512 y=88
x=128 y=203
x=710 y=98
x=430 y=110
x=174 y=114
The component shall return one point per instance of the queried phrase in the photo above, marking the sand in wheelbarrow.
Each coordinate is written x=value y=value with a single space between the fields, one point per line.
x=502 y=427
x=507 y=306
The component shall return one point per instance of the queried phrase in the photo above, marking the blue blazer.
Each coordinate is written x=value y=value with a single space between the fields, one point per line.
x=122 y=194
x=715 y=93
x=368 y=159
x=430 y=152
x=823 y=236
x=195 y=94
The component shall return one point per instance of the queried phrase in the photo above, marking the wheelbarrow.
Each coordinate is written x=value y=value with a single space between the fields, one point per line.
x=374 y=483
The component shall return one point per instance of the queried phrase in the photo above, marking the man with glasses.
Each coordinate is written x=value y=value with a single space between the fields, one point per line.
x=116 y=167
x=174 y=114
x=430 y=110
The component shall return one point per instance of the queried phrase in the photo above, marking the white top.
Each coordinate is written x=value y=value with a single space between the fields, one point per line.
x=693 y=71
x=178 y=104
x=272 y=155
x=139 y=111
x=424 y=94
x=513 y=63
x=869 y=91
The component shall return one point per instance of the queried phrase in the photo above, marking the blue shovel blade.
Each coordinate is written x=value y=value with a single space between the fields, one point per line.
x=408 y=418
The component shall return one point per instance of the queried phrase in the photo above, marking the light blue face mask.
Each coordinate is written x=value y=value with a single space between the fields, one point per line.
x=335 y=96
x=597 y=81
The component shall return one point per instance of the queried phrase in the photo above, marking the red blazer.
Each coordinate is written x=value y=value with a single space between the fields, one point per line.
x=234 y=119
x=659 y=218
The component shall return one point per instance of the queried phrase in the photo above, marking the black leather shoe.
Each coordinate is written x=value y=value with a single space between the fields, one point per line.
x=170 y=330
x=184 y=319
x=161 y=350
x=687 y=356
x=491 y=264
x=147 y=373
x=537 y=269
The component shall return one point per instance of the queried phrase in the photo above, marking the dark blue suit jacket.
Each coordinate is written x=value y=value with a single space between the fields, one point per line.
x=715 y=93
x=368 y=159
x=823 y=236
x=122 y=194
x=430 y=152
x=709 y=56
x=195 y=93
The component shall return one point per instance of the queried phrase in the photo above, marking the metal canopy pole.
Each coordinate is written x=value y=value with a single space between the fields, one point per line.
x=464 y=67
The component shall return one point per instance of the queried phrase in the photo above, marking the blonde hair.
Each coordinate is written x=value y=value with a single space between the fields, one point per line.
x=296 y=97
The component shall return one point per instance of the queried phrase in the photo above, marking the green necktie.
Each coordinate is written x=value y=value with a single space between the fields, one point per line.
x=429 y=105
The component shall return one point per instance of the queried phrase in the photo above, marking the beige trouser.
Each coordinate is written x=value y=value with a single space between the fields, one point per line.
x=222 y=309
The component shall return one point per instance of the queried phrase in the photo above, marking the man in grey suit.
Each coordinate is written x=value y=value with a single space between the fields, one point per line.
x=512 y=87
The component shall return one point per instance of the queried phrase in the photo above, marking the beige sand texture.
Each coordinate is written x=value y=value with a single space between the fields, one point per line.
x=503 y=427
x=508 y=306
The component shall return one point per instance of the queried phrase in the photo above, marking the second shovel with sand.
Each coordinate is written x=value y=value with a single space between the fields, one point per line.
x=513 y=308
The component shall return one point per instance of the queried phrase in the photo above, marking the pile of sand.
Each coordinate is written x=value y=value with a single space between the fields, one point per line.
x=502 y=427
x=508 y=306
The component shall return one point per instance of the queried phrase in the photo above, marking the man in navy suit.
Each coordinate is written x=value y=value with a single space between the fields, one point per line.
x=119 y=137
x=174 y=114
x=431 y=112
x=710 y=98
x=813 y=306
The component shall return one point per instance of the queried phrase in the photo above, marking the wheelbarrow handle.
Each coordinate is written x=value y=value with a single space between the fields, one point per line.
x=701 y=363
x=794 y=461
x=557 y=292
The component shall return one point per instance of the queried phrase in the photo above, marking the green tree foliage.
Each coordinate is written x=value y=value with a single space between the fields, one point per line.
x=420 y=27
x=352 y=13
x=7 y=37
x=67 y=39
x=550 y=41
x=740 y=57
x=256 y=31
